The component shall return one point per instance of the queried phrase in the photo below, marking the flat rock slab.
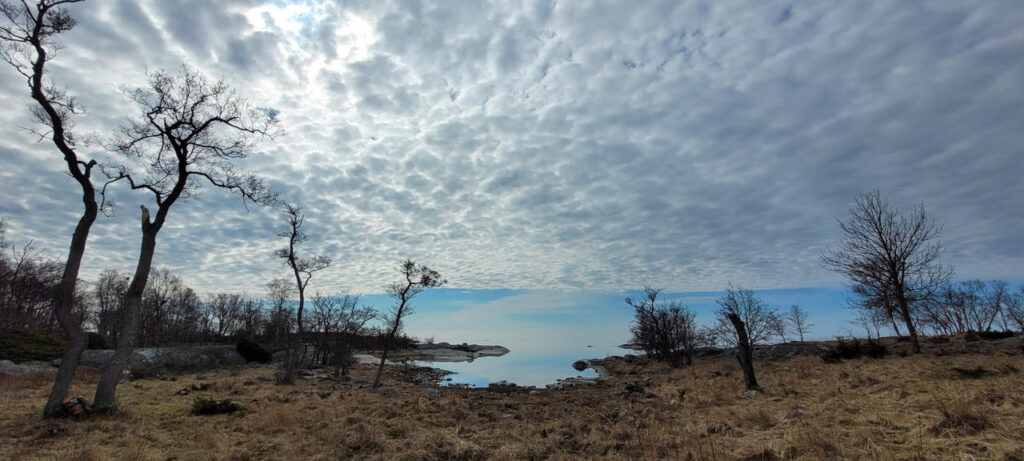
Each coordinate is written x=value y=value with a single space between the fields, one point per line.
x=444 y=352
x=33 y=366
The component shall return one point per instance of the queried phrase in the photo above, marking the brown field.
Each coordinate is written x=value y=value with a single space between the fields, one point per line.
x=916 y=407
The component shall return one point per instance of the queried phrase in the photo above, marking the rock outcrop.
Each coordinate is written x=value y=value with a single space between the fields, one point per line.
x=444 y=352
x=155 y=360
x=32 y=366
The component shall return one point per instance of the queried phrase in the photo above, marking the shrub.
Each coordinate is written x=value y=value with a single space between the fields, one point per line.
x=20 y=346
x=846 y=350
x=875 y=349
x=664 y=330
x=208 y=406
x=97 y=341
x=990 y=335
x=253 y=352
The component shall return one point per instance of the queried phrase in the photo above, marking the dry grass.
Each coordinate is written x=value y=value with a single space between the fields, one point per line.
x=896 y=408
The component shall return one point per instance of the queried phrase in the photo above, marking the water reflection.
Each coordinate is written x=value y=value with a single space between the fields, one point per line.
x=525 y=368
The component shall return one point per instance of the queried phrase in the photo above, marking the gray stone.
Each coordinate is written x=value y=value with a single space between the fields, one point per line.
x=385 y=390
x=572 y=382
x=31 y=366
x=444 y=352
x=431 y=393
x=154 y=360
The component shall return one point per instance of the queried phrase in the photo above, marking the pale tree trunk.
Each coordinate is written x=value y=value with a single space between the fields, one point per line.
x=905 y=313
x=380 y=368
x=293 y=359
x=106 y=398
x=387 y=345
x=744 y=353
x=64 y=300
x=895 y=326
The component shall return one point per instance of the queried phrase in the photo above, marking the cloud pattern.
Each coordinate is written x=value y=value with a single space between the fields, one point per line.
x=557 y=145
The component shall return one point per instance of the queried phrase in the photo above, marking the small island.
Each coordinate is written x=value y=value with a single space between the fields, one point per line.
x=444 y=352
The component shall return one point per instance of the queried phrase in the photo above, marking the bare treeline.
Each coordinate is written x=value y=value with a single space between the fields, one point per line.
x=28 y=278
x=173 y=313
x=957 y=308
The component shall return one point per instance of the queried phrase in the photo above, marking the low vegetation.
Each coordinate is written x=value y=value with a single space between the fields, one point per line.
x=23 y=345
x=854 y=348
x=209 y=406
x=896 y=407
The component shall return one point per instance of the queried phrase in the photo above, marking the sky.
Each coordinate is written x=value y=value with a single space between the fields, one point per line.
x=554 y=148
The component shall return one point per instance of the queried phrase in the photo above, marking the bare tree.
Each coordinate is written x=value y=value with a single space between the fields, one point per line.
x=279 y=323
x=797 y=318
x=253 y=318
x=871 y=321
x=1014 y=309
x=415 y=279
x=110 y=292
x=26 y=288
x=227 y=311
x=666 y=330
x=760 y=320
x=341 y=317
x=302 y=269
x=27 y=43
x=744 y=351
x=971 y=305
x=189 y=133
x=890 y=257
x=745 y=320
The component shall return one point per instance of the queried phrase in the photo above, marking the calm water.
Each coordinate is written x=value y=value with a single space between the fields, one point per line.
x=544 y=332
x=527 y=367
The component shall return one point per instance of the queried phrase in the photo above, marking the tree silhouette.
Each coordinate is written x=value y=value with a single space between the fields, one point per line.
x=892 y=259
x=189 y=133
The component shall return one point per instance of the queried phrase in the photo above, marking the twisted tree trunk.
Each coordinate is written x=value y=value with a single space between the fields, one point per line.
x=106 y=399
x=744 y=352
x=64 y=300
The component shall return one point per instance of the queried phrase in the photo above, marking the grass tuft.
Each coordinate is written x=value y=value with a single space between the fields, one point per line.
x=208 y=406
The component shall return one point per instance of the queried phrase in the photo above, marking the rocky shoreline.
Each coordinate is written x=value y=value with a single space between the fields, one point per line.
x=444 y=352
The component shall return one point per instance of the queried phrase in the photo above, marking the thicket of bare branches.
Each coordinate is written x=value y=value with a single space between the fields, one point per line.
x=339 y=321
x=28 y=279
x=664 y=330
x=762 y=321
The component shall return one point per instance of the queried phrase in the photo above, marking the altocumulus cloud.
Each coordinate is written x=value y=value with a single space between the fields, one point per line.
x=546 y=145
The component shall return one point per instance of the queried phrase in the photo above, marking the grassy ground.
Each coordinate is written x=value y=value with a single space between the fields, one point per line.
x=948 y=406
